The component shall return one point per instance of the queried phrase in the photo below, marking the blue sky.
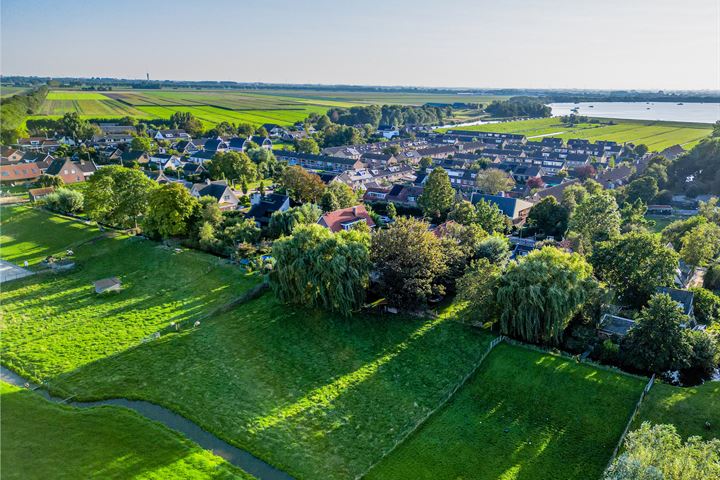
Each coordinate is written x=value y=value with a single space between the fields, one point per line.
x=653 y=44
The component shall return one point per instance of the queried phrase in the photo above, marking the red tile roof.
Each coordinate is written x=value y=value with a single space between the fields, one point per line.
x=339 y=219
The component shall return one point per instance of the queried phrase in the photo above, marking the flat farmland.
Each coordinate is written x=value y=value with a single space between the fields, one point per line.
x=524 y=415
x=87 y=104
x=210 y=106
x=656 y=135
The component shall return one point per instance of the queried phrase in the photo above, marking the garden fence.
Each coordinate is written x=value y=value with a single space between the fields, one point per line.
x=645 y=391
x=405 y=435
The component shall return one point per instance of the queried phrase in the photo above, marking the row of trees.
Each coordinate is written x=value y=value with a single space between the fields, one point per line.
x=519 y=107
x=396 y=115
x=14 y=111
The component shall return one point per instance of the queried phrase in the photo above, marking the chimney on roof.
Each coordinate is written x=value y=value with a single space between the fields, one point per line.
x=355 y=211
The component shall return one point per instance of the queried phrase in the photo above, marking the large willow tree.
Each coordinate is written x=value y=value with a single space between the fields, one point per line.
x=317 y=268
x=538 y=295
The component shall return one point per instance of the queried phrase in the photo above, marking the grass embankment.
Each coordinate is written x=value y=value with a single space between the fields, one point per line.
x=315 y=395
x=28 y=234
x=524 y=415
x=655 y=134
x=693 y=410
x=56 y=323
x=44 y=440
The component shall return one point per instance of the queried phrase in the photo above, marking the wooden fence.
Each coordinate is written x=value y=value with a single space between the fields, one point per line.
x=645 y=391
x=405 y=435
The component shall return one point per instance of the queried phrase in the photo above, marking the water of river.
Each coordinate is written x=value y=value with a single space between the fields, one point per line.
x=667 y=111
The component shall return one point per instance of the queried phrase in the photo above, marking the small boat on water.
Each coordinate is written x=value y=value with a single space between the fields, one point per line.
x=681 y=103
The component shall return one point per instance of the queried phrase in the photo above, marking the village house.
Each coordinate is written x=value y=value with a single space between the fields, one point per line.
x=378 y=160
x=437 y=152
x=10 y=155
x=172 y=135
x=216 y=145
x=19 y=172
x=112 y=139
x=263 y=206
x=165 y=160
x=132 y=156
x=275 y=131
x=516 y=209
x=345 y=218
x=219 y=189
x=318 y=162
x=292 y=135
x=71 y=172
x=201 y=157
x=185 y=147
x=37 y=144
x=114 y=128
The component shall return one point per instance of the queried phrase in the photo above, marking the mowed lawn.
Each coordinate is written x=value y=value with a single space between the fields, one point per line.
x=655 y=134
x=525 y=415
x=693 y=410
x=28 y=234
x=42 y=440
x=318 y=396
x=53 y=323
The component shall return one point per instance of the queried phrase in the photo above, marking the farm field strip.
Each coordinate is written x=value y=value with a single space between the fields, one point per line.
x=524 y=415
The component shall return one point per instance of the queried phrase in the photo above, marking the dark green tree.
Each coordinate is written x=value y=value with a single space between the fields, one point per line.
x=438 y=195
x=634 y=265
x=539 y=294
x=657 y=343
x=317 y=268
x=549 y=217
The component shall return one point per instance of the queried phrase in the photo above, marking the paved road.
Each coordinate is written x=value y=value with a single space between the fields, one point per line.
x=9 y=271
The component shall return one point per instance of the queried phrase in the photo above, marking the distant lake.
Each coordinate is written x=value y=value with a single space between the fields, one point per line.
x=668 y=111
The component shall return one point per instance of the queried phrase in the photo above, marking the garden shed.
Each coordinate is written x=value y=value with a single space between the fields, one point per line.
x=111 y=284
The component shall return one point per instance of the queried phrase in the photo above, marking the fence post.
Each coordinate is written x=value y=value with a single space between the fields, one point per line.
x=495 y=341
x=647 y=388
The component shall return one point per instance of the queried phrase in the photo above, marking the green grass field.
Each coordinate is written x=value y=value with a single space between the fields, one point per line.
x=693 y=411
x=56 y=323
x=656 y=135
x=318 y=396
x=525 y=415
x=32 y=234
x=43 y=440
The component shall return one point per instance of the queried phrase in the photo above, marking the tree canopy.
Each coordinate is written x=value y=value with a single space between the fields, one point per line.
x=657 y=452
x=596 y=219
x=634 y=265
x=170 y=209
x=408 y=260
x=315 y=267
x=539 y=294
x=549 y=217
x=118 y=196
x=438 y=196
